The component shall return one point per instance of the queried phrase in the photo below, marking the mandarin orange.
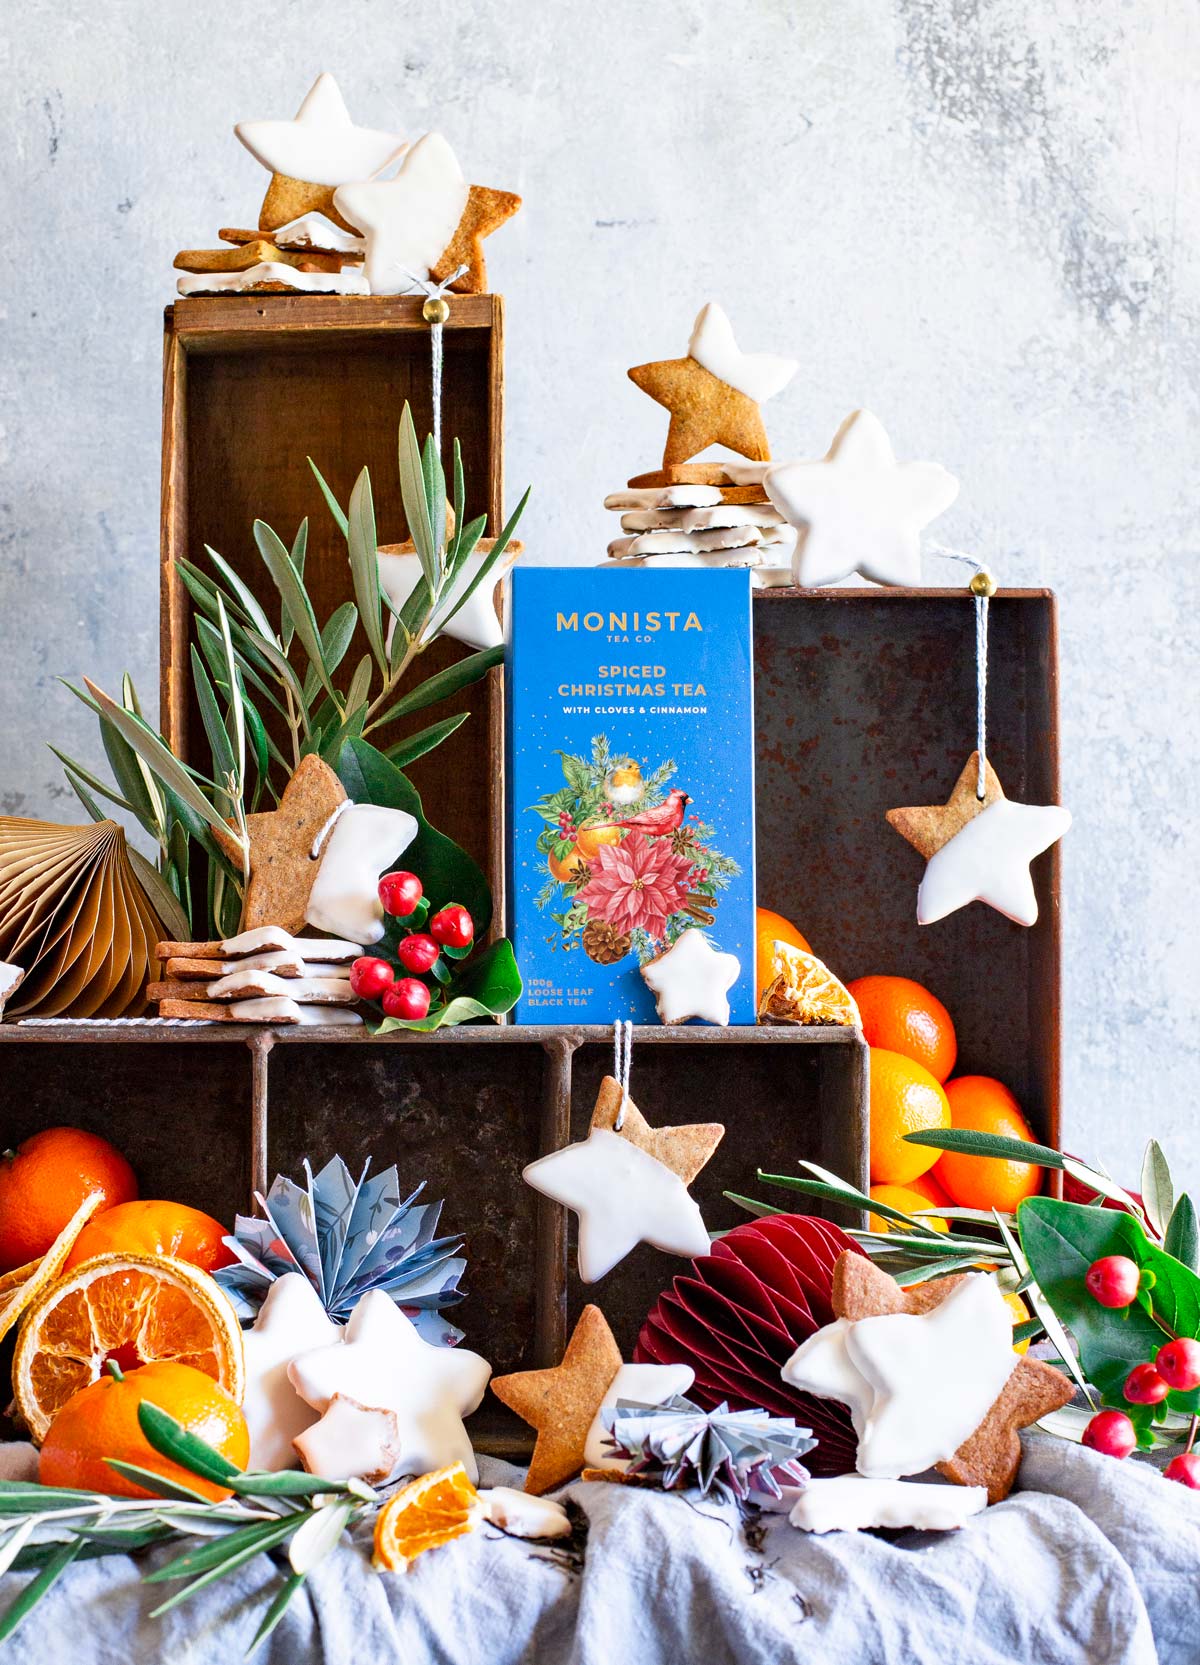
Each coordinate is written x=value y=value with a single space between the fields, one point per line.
x=905 y=1098
x=101 y=1421
x=150 y=1227
x=425 y=1514
x=770 y=928
x=904 y=1017
x=909 y=1201
x=43 y=1182
x=980 y=1104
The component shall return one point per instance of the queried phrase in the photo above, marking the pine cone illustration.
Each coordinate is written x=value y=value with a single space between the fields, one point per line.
x=603 y=943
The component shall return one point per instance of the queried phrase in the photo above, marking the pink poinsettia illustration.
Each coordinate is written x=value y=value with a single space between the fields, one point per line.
x=637 y=884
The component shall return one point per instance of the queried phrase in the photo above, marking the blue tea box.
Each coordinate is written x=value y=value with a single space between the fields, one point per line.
x=630 y=783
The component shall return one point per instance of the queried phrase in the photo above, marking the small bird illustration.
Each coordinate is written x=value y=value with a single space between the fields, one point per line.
x=624 y=784
x=664 y=818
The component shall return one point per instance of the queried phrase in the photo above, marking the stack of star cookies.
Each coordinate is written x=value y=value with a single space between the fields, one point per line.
x=330 y=222
x=708 y=514
x=264 y=975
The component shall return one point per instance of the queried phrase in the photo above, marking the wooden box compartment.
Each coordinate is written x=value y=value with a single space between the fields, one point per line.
x=210 y=1115
x=864 y=701
x=252 y=386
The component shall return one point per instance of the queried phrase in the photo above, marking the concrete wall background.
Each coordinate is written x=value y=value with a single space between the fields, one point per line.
x=979 y=217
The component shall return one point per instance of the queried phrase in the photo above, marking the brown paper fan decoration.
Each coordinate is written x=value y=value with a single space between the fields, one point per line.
x=75 y=918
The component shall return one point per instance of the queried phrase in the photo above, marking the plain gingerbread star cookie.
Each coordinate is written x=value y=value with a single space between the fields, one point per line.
x=859 y=510
x=692 y=979
x=979 y=849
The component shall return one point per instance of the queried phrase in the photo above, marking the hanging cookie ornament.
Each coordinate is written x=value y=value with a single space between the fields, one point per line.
x=858 y=509
x=978 y=845
x=627 y=1182
x=714 y=393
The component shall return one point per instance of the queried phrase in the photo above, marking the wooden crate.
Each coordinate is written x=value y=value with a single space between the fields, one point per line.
x=864 y=701
x=252 y=385
x=210 y=1115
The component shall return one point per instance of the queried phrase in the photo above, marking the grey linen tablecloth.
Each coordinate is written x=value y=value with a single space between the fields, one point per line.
x=1090 y=1561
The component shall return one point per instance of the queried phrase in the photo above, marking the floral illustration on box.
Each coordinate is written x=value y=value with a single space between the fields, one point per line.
x=629 y=869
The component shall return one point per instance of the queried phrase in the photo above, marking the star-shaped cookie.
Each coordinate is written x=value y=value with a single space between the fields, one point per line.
x=692 y=979
x=979 y=849
x=858 y=509
x=629 y=1186
x=991 y=1455
x=561 y=1403
x=714 y=393
x=485 y=212
x=311 y=155
x=282 y=871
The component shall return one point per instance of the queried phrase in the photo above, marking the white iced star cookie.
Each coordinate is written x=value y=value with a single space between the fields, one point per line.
x=383 y=1363
x=409 y=220
x=321 y=144
x=360 y=843
x=859 y=510
x=692 y=979
x=640 y=1384
x=852 y=1503
x=352 y=1442
x=291 y=1321
x=476 y=623
x=622 y=1197
x=918 y=1384
x=979 y=849
x=759 y=376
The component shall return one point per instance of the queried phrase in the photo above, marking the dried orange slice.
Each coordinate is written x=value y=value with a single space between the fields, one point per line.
x=24 y=1284
x=802 y=989
x=425 y=1514
x=137 y=1309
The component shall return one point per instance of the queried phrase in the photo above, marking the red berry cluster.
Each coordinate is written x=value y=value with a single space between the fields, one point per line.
x=1114 y=1281
x=418 y=951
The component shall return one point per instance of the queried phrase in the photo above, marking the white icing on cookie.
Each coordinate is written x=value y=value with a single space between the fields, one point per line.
x=321 y=145
x=663 y=497
x=280 y=1009
x=701 y=520
x=317 y=231
x=859 y=510
x=349 y=281
x=363 y=844
x=692 y=980
x=740 y=559
x=643 y=1384
x=758 y=375
x=851 y=1502
x=275 y=938
x=745 y=473
x=685 y=543
x=988 y=861
x=476 y=623
x=409 y=220
x=321 y=991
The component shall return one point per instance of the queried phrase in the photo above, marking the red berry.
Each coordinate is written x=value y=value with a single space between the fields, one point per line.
x=406 y=999
x=1110 y=1432
x=1144 y=1386
x=452 y=926
x=1178 y=1363
x=1185 y=1468
x=400 y=892
x=370 y=976
x=1113 y=1280
x=417 y=952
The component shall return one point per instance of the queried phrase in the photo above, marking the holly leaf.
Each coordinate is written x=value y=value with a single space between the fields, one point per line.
x=445 y=869
x=1060 y=1241
x=490 y=985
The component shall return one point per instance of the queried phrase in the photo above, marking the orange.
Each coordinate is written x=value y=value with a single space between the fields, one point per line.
x=566 y=870
x=589 y=840
x=1020 y=1313
x=154 y=1228
x=926 y=1185
x=981 y=1105
x=804 y=990
x=44 y=1181
x=101 y=1421
x=905 y=1098
x=136 y=1309
x=770 y=928
x=904 y=1017
x=425 y=1514
x=908 y=1200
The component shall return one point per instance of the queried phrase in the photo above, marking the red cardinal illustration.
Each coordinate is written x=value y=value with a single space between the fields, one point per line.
x=662 y=819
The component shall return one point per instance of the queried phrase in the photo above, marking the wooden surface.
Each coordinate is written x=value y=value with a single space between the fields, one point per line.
x=210 y=1114
x=252 y=386
x=865 y=701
